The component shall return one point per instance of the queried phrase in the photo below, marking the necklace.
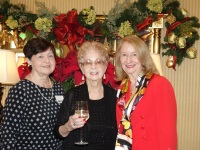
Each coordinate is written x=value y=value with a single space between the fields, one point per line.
x=41 y=92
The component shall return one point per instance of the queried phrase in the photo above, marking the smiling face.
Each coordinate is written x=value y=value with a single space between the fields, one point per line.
x=129 y=60
x=43 y=63
x=93 y=66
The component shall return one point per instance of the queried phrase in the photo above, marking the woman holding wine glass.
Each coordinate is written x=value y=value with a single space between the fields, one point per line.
x=99 y=131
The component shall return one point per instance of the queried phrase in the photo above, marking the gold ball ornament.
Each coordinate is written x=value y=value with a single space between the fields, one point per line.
x=181 y=42
x=171 y=38
x=171 y=62
x=171 y=18
x=188 y=34
x=184 y=12
x=191 y=52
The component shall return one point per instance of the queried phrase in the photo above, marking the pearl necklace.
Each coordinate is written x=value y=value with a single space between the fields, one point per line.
x=41 y=92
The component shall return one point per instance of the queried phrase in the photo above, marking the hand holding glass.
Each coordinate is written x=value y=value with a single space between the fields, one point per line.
x=81 y=109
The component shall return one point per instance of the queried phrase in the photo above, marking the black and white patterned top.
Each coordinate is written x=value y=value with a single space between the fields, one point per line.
x=29 y=119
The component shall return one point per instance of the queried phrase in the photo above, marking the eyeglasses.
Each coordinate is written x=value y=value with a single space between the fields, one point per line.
x=98 y=63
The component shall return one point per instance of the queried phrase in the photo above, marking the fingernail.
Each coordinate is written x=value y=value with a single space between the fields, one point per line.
x=79 y=116
x=84 y=119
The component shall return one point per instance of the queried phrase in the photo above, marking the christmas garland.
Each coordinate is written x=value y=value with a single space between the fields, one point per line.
x=180 y=35
x=181 y=29
x=124 y=18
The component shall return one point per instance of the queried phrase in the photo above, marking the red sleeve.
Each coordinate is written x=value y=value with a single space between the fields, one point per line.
x=166 y=114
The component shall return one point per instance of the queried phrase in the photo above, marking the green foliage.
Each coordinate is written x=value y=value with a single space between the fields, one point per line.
x=186 y=28
x=68 y=83
x=140 y=12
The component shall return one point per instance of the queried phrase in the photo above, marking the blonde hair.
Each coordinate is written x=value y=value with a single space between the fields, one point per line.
x=92 y=45
x=143 y=55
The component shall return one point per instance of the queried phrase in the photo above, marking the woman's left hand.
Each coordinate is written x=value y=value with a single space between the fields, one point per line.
x=76 y=122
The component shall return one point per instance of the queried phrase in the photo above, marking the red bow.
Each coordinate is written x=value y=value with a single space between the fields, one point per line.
x=68 y=31
x=149 y=20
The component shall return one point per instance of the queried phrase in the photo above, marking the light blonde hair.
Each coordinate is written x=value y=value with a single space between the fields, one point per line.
x=143 y=55
x=92 y=45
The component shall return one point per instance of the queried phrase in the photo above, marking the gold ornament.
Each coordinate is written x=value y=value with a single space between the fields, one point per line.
x=191 y=52
x=171 y=38
x=181 y=42
x=171 y=18
x=145 y=36
x=171 y=62
x=106 y=44
x=58 y=48
x=16 y=38
x=184 y=12
x=188 y=34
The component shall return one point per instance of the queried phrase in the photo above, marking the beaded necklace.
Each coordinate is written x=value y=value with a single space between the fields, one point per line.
x=41 y=92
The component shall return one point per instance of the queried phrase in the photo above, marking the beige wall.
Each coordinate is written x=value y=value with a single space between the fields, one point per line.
x=185 y=79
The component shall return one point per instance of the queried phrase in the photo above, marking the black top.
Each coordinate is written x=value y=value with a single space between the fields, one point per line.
x=100 y=130
x=29 y=119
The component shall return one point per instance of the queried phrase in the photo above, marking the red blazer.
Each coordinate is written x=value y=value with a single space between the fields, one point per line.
x=154 y=119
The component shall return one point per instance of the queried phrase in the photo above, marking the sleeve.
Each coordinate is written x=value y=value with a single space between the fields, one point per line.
x=12 y=115
x=64 y=112
x=166 y=114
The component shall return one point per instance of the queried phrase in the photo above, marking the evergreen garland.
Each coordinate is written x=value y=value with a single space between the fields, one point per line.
x=184 y=26
x=130 y=17
x=185 y=29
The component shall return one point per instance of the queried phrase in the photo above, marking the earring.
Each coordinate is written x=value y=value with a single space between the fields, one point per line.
x=83 y=78
x=104 y=76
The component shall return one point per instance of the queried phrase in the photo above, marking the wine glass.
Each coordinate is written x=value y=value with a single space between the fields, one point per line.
x=81 y=109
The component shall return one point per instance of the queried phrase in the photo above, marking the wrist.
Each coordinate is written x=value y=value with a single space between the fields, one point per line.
x=68 y=127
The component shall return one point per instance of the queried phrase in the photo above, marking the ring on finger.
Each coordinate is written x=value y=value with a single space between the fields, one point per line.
x=74 y=124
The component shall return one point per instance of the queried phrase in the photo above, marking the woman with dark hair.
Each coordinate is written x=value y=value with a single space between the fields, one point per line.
x=31 y=106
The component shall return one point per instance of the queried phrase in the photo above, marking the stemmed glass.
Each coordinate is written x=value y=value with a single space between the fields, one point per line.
x=81 y=109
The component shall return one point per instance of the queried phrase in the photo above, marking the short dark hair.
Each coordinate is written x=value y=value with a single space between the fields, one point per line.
x=37 y=45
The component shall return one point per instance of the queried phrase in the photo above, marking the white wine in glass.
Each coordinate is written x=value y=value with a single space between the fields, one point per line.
x=81 y=109
x=83 y=113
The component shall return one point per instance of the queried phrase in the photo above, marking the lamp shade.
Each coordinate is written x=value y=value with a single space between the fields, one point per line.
x=8 y=67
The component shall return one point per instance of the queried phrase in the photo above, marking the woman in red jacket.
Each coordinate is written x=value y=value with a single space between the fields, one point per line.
x=146 y=106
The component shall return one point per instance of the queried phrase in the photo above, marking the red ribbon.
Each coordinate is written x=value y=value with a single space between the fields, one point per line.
x=146 y=22
x=175 y=24
x=149 y=20
x=172 y=46
x=32 y=30
x=68 y=31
